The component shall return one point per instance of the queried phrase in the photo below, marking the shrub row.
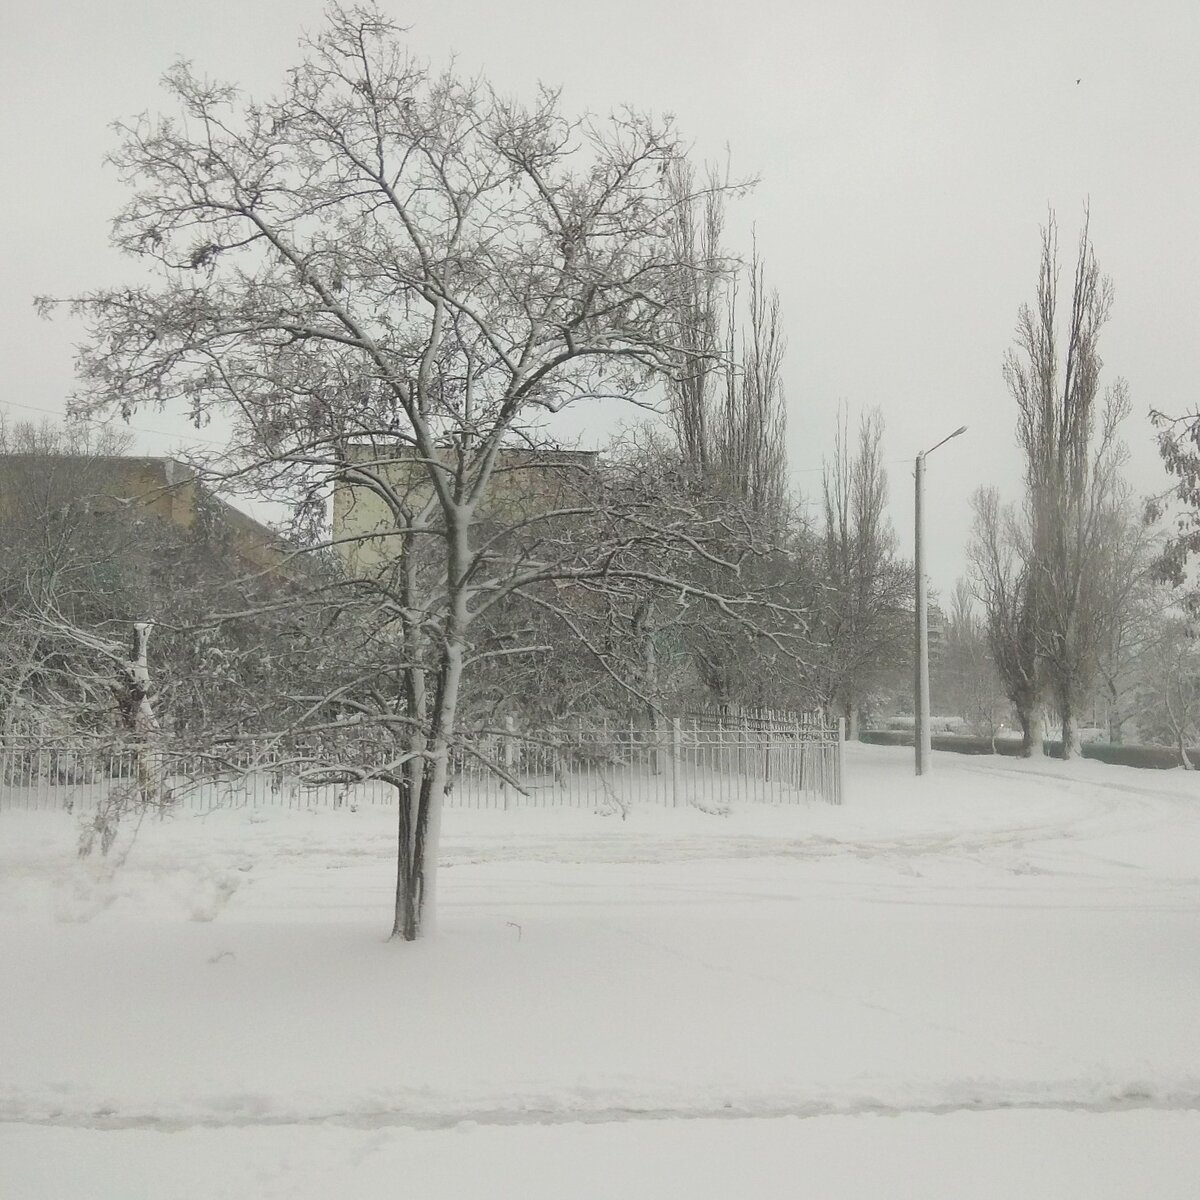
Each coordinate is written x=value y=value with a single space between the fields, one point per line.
x=1153 y=757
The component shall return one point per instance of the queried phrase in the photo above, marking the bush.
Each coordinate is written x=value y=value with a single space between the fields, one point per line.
x=1149 y=757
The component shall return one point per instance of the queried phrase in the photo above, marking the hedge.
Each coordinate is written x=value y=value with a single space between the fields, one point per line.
x=1153 y=757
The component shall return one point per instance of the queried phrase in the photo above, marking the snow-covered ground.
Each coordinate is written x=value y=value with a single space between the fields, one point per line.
x=985 y=983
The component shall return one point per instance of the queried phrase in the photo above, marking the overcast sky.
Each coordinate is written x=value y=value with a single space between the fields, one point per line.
x=908 y=152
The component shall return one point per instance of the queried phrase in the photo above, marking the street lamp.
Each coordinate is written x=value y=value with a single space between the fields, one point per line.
x=921 y=671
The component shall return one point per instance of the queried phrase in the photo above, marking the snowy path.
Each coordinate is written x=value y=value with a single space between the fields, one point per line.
x=1008 y=951
x=1003 y=1156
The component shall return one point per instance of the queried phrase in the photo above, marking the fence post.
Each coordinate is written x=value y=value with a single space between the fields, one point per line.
x=254 y=774
x=796 y=757
x=841 y=759
x=510 y=759
x=675 y=740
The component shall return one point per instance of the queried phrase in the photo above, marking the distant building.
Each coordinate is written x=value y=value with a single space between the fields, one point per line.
x=525 y=484
x=163 y=487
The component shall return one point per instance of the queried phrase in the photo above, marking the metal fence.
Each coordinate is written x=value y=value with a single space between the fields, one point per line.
x=707 y=762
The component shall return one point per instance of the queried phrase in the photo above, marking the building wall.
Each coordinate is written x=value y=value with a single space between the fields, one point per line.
x=162 y=486
x=525 y=484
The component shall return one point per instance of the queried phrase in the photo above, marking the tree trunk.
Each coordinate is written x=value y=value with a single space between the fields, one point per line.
x=406 y=919
x=132 y=691
x=141 y=717
x=1032 y=732
x=1116 y=726
x=418 y=838
x=408 y=799
x=404 y=922
x=416 y=910
x=428 y=832
x=422 y=798
x=1071 y=747
x=651 y=668
x=1184 y=761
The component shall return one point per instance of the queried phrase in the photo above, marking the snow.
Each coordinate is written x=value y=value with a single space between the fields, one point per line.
x=977 y=984
x=997 y=1156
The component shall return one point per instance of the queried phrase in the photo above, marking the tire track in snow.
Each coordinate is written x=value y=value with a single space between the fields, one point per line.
x=1128 y=1100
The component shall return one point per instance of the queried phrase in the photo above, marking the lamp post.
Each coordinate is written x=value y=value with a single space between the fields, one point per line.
x=921 y=740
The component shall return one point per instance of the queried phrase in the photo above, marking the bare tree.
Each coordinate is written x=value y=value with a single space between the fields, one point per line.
x=1077 y=567
x=388 y=277
x=87 y=551
x=1168 y=688
x=752 y=429
x=727 y=406
x=1000 y=578
x=1136 y=630
x=865 y=597
x=61 y=570
x=1179 y=446
x=703 y=278
x=965 y=679
x=728 y=409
